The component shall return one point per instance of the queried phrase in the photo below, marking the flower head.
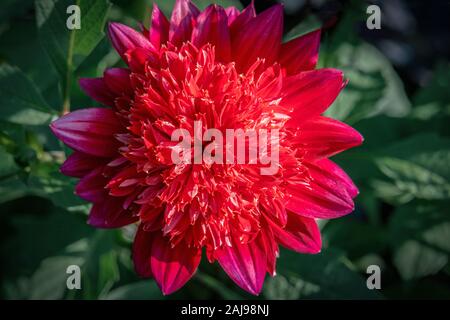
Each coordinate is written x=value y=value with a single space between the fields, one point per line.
x=225 y=70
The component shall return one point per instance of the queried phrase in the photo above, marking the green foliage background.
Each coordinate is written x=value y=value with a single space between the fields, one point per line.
x=401 y=222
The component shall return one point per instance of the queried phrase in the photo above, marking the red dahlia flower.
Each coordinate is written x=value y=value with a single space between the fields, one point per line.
x=229 y=70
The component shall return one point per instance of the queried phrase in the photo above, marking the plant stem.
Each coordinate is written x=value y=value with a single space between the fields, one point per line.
x=68 y=79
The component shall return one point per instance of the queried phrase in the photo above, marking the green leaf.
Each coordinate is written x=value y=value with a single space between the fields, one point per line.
x=142 y=290
x=413 y=260
x=109 y=271
x=100 y=267
x=49 y=282
x=435 y=95
x=97 y=256
x=338 y=232
x=432 y=102
x=378 y=132
x=9 y=8
x=420 y=236
x=417 y=180
x=34 y=229
x=311 y=23
x=17 y=53
x=62 y=44
x=217 y=286
x=416 y=168
x=12 y=188
x=68 y=48
x=46 y=180
x=20 y=100
x=8 y=166
x=381 y=131
x=423 y=289
x=16 y=289
x=374 y=87
x=327 y=275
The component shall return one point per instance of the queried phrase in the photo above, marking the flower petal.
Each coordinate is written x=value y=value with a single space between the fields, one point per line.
x=137 y=59
x=124 y=38
x=142 y=249
x=329 y=193
x=144 y=30
x=109 y=214
x=182 y=20
x=232 y=14
x=118 y=81
x=212 y=27
x=97 y=90
x=310 y=93
x=78 y=164
x=92 y=186
x=172 y=267
x=300 y=234
x=259 y=38
x=245 y=16
x=89 y=130
x=323 y=137
x=271 y=249
x=339 y=175
x=301 y=54
x=159 y=29
x=245 y=264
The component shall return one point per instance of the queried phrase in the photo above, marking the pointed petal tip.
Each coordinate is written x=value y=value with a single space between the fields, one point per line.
x=256 y=291
x=52 y=126
x=250 y=39
x=56 y=129
x=173 y=266
x=301 y=53
x=337 y=73
x=56 y=126
x=113 y=28
x=355 y=137
x=245 y=264
x=359 y=138
x=83 y=82
x=167 y=290
x=95 y=88
x=275 y=9
x=273 y=14
x=317 y=247
x=124 y=38
x=250 y=9
x=92 y=222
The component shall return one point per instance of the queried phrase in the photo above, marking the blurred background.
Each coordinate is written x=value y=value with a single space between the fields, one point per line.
x=398 y=97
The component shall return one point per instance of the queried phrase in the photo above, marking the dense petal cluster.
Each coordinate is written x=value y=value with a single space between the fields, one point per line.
x=229 y=70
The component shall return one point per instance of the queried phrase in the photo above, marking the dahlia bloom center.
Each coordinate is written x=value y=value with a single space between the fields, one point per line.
x=204 y=204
